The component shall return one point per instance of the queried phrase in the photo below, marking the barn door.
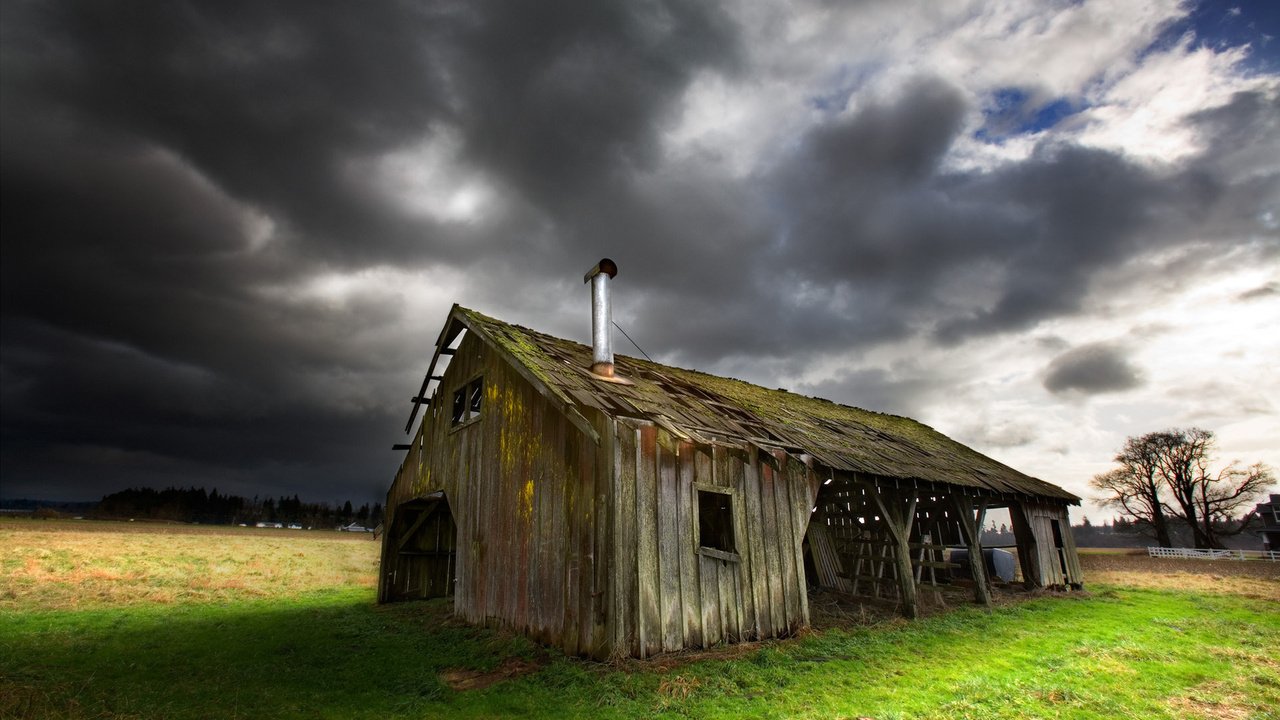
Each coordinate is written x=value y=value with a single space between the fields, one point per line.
x=423 y=544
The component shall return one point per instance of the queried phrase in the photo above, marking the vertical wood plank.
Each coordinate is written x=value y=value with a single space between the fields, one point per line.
x=571 y=587
x=733 y=604
x=801 y=506
x=650 y=624
x=628 y=594
x=690 y=601
x=584 y=520
x=758 y=574
x=786 y=552
x=603 y=587
x=670 y=601
x=773 y=561
x=728 y=602
x=709 y=575
x=748 y=615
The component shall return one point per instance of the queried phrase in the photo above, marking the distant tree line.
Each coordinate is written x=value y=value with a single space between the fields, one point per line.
x=210 y=507
x=1126 y=533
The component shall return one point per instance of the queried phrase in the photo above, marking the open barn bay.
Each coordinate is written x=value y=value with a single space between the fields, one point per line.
x=115 y=620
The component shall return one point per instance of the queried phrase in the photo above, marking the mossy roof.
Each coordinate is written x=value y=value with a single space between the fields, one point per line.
x=705 y=407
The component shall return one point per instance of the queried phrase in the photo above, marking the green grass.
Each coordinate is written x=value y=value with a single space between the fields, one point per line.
x=1119 y=653
x=1124 y=650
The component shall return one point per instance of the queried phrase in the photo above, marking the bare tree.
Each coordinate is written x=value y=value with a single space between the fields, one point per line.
x=1134 y=487
x=1182 y=459
x=1177 y=461
x=1217 y=499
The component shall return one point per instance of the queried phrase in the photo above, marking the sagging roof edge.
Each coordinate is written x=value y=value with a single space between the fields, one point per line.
x=568 y=407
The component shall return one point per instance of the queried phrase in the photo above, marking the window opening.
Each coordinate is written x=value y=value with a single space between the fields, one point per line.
x=715 y=521
x=467 y=402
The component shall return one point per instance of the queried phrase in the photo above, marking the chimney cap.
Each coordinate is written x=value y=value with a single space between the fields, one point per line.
x=605 y=266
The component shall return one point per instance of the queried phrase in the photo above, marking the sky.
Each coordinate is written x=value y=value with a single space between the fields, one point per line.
x=231 y=231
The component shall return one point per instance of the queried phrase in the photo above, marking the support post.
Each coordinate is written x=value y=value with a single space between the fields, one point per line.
x=972 y=529
x=899 y=524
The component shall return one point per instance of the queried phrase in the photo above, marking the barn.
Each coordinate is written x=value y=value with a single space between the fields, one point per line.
x=612 y=506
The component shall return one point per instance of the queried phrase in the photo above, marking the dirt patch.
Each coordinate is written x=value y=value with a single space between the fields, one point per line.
x=1249 y=578
x=832 y=609
x=480 y=679
x=1213 y=701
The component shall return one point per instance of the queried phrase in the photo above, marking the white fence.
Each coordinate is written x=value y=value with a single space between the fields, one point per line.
x=1193 y=554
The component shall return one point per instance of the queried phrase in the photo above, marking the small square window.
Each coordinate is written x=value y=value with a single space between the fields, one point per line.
x=715 y=521
x=467 y=401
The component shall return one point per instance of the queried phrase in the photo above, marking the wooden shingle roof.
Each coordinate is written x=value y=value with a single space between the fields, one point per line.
x=705 y=408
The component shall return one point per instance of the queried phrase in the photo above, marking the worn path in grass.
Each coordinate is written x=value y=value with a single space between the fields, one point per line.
x=1119 y=652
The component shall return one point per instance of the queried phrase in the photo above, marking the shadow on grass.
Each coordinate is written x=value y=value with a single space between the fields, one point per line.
x=1121 y=652
x=323 y=655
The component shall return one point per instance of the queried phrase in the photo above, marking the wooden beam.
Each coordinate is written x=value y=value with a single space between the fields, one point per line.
x=899 y=525
x=973 y=540
x=417 y=523
x=448 y=333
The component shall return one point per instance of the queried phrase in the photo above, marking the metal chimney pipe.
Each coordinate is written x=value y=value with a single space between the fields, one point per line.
x=601 y=317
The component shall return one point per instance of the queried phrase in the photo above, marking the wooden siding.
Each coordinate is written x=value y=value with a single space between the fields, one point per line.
x=667 y=593
x=521 y=484
x=1057 y=566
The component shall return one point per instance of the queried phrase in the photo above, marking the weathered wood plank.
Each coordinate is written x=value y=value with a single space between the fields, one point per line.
x=709 y=577
x=690 y=596
x=970 y=529
x=729 y=605
x=627 y=633
x=571 y=552
x=773 y=559
x=761 y=616
x=650 y=622
x=584 y=518
x=602 y=587
x=790 y=583
x=670 y=601
x=801 y=508
x=731 y=573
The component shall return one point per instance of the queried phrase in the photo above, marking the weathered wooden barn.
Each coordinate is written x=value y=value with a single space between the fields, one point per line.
x=615 y=506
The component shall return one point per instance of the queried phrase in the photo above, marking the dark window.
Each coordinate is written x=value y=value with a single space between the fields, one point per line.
x=715 y=521
x=467 y=401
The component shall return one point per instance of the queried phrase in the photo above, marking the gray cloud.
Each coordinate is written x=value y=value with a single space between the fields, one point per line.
x=1264 y=290
x=150 y=330
x=1092 y=369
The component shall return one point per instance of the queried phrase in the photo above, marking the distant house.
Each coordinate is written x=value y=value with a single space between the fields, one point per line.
x=1269 y=513
x=613 y=506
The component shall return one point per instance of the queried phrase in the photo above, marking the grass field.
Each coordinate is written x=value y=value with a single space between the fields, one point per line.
x=105 y=620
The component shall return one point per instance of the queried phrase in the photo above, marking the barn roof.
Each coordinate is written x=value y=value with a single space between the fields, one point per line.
x=704 y=407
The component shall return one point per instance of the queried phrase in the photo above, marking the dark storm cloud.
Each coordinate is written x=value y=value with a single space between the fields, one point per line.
x=865 y=238
x=174 y=175
x=1092 y=369
x=173 y=172
x=901 y=392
